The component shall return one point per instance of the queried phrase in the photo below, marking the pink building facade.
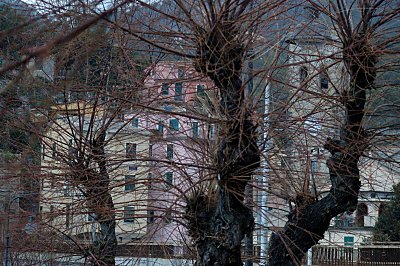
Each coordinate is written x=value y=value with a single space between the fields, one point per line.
x=183 y=130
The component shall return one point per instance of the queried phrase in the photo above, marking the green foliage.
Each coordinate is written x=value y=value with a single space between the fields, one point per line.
x=388 y=226
x=9 y=19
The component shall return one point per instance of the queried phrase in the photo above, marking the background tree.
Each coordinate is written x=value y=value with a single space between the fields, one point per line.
x=387 y=227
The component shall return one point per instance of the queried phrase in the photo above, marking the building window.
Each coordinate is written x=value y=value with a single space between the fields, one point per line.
x=195 y=129
x=324 y=80
x=135 y=122
x=132 y=167
x=168 y=108
x=150 y=150
x=91 y=216
x=150 y=216
x=178 y=91
x=170 y=151
x=180 y=72
x=72 y=151
x=160 y=127
x=210 y=132
x=348 y=241
x=66 y=189
x=149 y=179
x=131 y=150
x=314 y=166
x=169 y=178
x=303 y=73
x=129 y=214
x=165 y=89
x=129 y=182
x=361 y=212
x=54 y=150
x=345 y=220
x=174 y=124
x=200 y=90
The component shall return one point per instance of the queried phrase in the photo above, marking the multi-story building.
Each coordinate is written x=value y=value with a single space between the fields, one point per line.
x=63 y=203
x=169 y=133
x=180 y=145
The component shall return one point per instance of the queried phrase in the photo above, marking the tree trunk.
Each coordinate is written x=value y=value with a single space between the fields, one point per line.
x=99 y=200
x=310 y=218
x=105 y=248
x=219 y=221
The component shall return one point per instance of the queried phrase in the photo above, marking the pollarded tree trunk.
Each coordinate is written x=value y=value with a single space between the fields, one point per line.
x=103 y=205
x=96 y=189
x=105 y=248
x=218 y=222
x=310 y=219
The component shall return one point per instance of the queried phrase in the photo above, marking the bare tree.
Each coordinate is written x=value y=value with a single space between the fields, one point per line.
x=364 y=39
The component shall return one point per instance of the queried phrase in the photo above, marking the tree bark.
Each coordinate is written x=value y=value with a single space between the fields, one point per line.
x=105 y=248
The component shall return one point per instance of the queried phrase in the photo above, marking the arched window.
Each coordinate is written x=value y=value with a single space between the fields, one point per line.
x=361 y=212
x=303 y=73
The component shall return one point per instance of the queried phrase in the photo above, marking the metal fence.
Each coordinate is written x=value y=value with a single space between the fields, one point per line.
x=360 y=256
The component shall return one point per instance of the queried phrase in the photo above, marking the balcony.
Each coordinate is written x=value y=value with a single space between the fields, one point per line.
x=355 y=222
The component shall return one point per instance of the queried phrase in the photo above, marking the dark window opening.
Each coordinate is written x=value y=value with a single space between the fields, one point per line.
x=129 y=182
x=129 y=214
x=170 y=151
x=160 y=127
x=165 y=89
x=180 y=72
x=211 y=132
x=91 y=216
x=150 y=216
x=178 y=91
x=150 y=150
x=135 y=122
x=200 y=90
x=131 y=150
x=174 y=124
x=54 y=150
x=195 y=129
x=303 y=74
x=361 y=212
x=324 y=81
x=169 y=178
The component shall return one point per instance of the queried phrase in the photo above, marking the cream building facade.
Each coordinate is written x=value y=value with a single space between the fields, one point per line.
x=63 y=205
